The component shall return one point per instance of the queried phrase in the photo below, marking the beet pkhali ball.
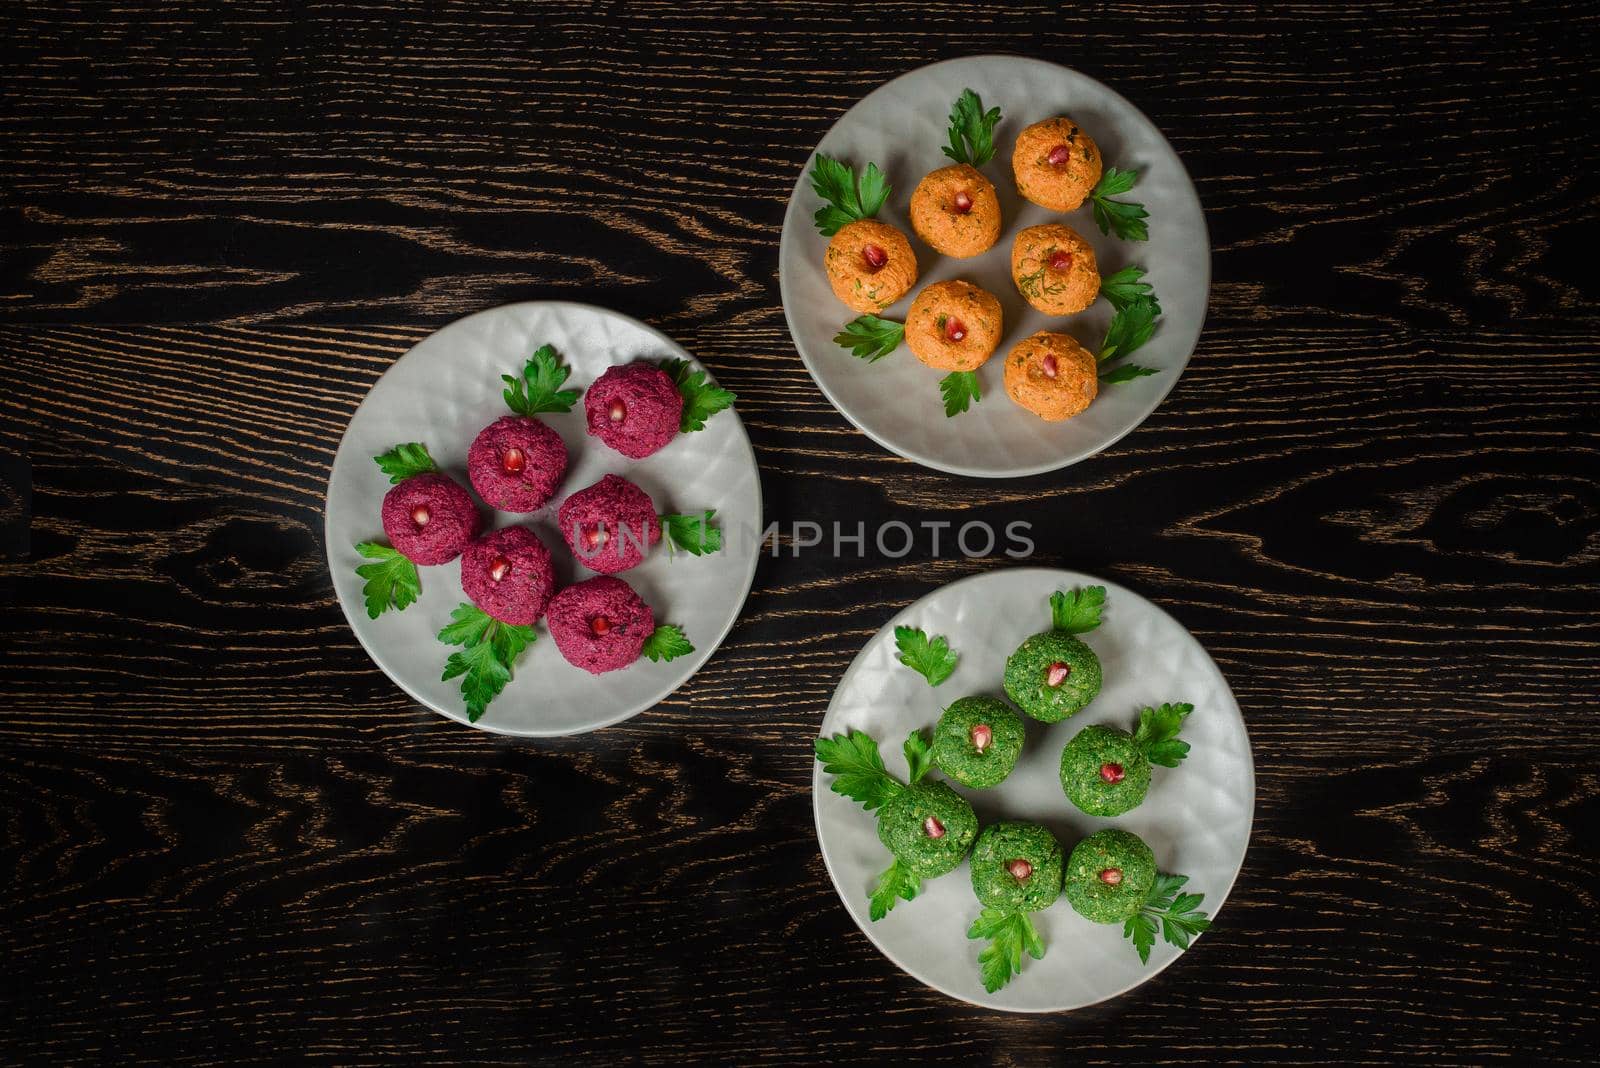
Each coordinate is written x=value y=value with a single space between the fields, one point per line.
x=870 y=265
x=609 y=526
x=954 y=326
x=508 y=574
x=955 y=210
x=1055 y=269
x=429 y=519
x=634 y=408
x=1056 y=164
x=600 y=624
x=516 y=463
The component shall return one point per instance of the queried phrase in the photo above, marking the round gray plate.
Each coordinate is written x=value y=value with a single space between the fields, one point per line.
x=901 y=126
x=1196 y=817
x=442 y=393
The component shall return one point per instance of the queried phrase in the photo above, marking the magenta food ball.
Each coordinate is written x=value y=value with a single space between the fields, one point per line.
x=508 y=574
x=516 y=463
x=430 y=518
x=634 y=408
x=610 y=526
x=600 y=624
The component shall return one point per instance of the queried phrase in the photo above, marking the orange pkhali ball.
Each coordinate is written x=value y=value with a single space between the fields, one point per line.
x=954 y=326
x=1055 y=269
x=956 y=212
x=870 y=265
x=1051 y=375
x=1056 y=164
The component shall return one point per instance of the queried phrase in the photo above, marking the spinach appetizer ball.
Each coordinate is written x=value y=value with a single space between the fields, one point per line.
x=430 y=519
x=1016 y=867
x=977 y=741
x=1056 y=164
x=954 y=326
x=1103 y=772
x=928 y=827
x=870 y=265
x=1052 y=675
x=1109 y=876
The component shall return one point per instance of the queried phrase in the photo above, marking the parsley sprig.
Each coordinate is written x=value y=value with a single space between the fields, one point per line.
x=929 y=656
x=666 y=642
x=871 y=337
x=1077 y=612
x=1157 y=733
x=404 y=461
x=1124 y=217
x=971 y=130
x=701 y=398
x=1010 y=933
x=1126 y=286
x=858 y=773
x=898 y=883
x=489 y=648
x=960 y=391
x=1130 y=328
x=848 y=199
x=692 y=534
x=1176 y=914
x=391 y=580
x=538 y=389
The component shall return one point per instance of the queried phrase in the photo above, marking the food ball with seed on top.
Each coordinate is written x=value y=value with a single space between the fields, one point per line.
x=599 y=624
x=516 y=463
x=1052 y=675
x=928 y=827
x=1109 y=875
x=635 y=408
x=954 y=325
x=977 y=741
x=429 y=519
x=1051 y=375
x=955 y=210
x=1016 y=867
x=610 y=525
x=1054 y=269
x=1056 y=164
x=509 y=574
x=870 y=265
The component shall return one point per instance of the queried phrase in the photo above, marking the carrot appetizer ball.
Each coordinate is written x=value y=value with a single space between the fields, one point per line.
x=955 y=210
x=1055 y=269
x=954 y=326
x=870 y=265
x=1056 y=164
x=1051 y=375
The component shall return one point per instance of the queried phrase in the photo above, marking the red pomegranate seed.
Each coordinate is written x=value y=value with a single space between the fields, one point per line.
x=498 y=567
x=982 y=735
x=932 y=827
x=594 y=537
x=874 y=256
x=955 y=329
x=1060 y=260
x=963 y=202
x=1056 y=674
x=1019 y=869
x=1111 y=876
x=618 y=411
x=1111 y=773
x=1048 y=366
x=1059 y=155
x=513 y=460
x=420 y=515
x=600 y=625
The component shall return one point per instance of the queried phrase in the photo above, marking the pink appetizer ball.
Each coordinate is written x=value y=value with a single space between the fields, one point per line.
x=430 y=518
x=509 y=574
x=516 y=463
x=600 y=624
x=610 y=526
x=634 y=408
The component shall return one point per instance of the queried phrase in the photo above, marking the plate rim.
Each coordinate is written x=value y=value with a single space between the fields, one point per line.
x=1056 y=575
x=956 y=468
x=482 y=724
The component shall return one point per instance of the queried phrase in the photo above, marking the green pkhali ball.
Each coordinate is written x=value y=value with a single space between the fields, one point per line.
x=1109 y=875
x=1103 y=772
x=928 y=827
x=1016 y=866
x=977 y=741
x=1052 y=676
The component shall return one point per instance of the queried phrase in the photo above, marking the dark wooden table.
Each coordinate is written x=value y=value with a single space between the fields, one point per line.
x=1374 y=496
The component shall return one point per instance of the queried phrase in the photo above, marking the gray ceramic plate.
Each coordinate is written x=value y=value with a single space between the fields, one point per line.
x=442 y=393
x=1196 y=817
x=901 y=126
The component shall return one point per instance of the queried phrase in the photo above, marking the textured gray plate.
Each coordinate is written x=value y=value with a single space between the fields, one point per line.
x=442 y=393
x=901 y=126
x=1196 y=818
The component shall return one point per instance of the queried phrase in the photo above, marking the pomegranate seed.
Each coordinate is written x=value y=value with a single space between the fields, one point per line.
x=594 y=537
x=420 y=515
x=1056 y=674
x=1048 y=366
x=982 y=735
x=1060 y=260
x=618 y=411
x=932 y=827
x=874 y=256
x=963 y=202
x=1111 y=773
x=513 y=460
x=1111 y=876
x=600 y=625
x=498 y=567
x=1059 y=155
x=1019 y=869
x=955 y=329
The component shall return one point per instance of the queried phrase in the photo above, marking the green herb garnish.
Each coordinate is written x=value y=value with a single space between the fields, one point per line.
x=960 y=391
x=666 y=642
x=1123 y=216
x=1077 y=612
x=693 y=534
x=971 y=130
x=899 y=883
x=489 y=649
x=1130 y=328
x=930 y=657
x=391 y=581
x=539 y=387
x=1009 y=934
x=848 y=200
x=919 y=756
x=1176 y=914
x=404 y=461
x=857 y=769
x=701 y=398
x=870 y=337
x=1158 y=733
x=1126 y=286
x=1126 y=373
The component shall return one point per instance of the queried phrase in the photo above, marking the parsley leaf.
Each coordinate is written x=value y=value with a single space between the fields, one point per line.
x=1158 y=733
x=666 y=642
x=857 y=769
x=971 y=130
x=1123 y=216
x=847 y=199
x=870 y=337
x=931 y=658
x=539 y=388
x=1177 y=914
x=1077 y=612
x=392 y=581
x=1126 y=373
x=1126 y=286
x=960 y=391
x=701 y=399
x=403 y=461
x=1130 y=328
x=899 y=882
x=489 y=649
x=919 y=756
x=1009 y=934
x=693 y=534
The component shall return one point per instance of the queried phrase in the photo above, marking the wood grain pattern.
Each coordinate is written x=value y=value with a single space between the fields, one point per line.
x=1374 y=496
